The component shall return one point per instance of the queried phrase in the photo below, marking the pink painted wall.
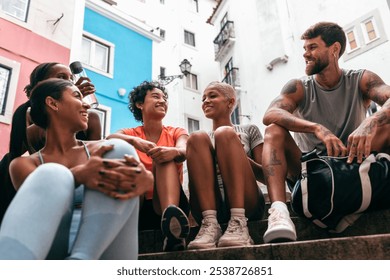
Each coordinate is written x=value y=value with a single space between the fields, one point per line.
x=29 y=49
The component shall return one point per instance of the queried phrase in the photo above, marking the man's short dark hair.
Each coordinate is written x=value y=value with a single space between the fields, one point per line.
x=330 y=33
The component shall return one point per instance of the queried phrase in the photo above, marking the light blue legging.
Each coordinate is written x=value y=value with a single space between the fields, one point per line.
x=36 y=224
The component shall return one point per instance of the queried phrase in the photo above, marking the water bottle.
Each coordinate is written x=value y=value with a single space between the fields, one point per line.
x=78 y=71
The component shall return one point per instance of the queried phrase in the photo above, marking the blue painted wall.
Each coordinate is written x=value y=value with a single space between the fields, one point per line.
x=132 y=65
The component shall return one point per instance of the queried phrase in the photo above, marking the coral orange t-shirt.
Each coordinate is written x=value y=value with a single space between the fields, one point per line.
x=168 y=138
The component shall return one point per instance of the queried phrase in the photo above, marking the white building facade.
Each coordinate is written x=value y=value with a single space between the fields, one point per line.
x=186 y=35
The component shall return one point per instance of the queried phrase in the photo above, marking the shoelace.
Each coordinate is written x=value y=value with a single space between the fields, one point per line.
x=275 y=216
x=234 y=225
x=206 y=227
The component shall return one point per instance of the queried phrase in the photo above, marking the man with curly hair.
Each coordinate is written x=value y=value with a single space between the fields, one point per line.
x=162 y=149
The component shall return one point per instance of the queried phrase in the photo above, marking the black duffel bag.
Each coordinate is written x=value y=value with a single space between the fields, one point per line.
x=333 y=194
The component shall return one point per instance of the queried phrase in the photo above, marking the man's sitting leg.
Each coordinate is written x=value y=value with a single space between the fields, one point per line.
x=281 y=156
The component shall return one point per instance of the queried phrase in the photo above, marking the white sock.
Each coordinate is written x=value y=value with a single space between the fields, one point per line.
x=210 y=214
x=237 y=212
x=280 y=206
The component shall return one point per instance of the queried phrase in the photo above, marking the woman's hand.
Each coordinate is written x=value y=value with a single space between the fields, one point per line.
x=143 y=145
x=162 y=154
x=118 y=178
x=85 y=86
x=136 y=179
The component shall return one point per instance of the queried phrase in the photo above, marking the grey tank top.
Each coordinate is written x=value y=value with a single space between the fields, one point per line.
x=340 y=109
x=85 y=148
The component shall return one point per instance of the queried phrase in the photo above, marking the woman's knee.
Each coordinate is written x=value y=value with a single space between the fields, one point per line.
x=198 y=139
x=52 y=179
x=121 y=148
x=224 y=133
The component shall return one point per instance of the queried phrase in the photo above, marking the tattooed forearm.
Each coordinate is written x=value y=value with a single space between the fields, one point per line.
x=382 y=118
x=325 y=131
x=287 y=121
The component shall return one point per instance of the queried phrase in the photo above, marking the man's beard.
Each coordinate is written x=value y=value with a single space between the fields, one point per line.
x=317 y=67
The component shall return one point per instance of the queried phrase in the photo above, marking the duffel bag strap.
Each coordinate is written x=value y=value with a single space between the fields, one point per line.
x=305 y=196
x=366 y=193
x=364 y=168
x=346 y=222
x=382 y=155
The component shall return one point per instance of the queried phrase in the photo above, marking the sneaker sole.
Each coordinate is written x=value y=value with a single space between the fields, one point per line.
x=171 y=245
x=181 y=217
x=200 y=247
x=279 y=236
x=235 y=244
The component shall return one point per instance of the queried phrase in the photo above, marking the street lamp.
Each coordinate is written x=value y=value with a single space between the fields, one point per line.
x=185 y=68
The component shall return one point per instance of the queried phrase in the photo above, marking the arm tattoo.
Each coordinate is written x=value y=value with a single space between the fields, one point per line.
x=283 y=105
x=325 y=131
x=375 y=88
x=287 y=121
x=290 y=87
x=382 y=118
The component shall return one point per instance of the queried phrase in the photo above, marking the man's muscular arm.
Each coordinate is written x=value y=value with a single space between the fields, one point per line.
x=281 y=111
x=361 y=140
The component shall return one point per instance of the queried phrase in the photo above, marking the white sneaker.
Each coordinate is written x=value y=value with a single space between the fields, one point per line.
x=236 y=234
x=208 y=235
x=280 y=227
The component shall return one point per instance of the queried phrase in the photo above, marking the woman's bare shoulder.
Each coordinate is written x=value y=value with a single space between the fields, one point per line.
x=21 y=167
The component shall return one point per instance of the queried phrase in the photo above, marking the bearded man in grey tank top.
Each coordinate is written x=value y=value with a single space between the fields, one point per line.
x=326 y=110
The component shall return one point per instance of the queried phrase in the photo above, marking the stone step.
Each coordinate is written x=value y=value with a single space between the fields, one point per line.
x=368 y=247
x=368 y=238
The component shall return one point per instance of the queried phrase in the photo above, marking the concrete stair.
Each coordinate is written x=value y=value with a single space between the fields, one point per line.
x=368 y=238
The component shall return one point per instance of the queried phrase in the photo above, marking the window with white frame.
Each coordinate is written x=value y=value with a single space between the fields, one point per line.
x=191 y=81
x=97 y=54
x=189 y=38
x=370 y=31
x=5 y=78
x=104 y=114
x=352 y=42
x=193 y=125
x=16 y=8
x=9 y=75
x=364 y=34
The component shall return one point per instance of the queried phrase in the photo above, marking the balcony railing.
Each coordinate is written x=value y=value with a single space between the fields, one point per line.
x=232 y=78
x=224 y=37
